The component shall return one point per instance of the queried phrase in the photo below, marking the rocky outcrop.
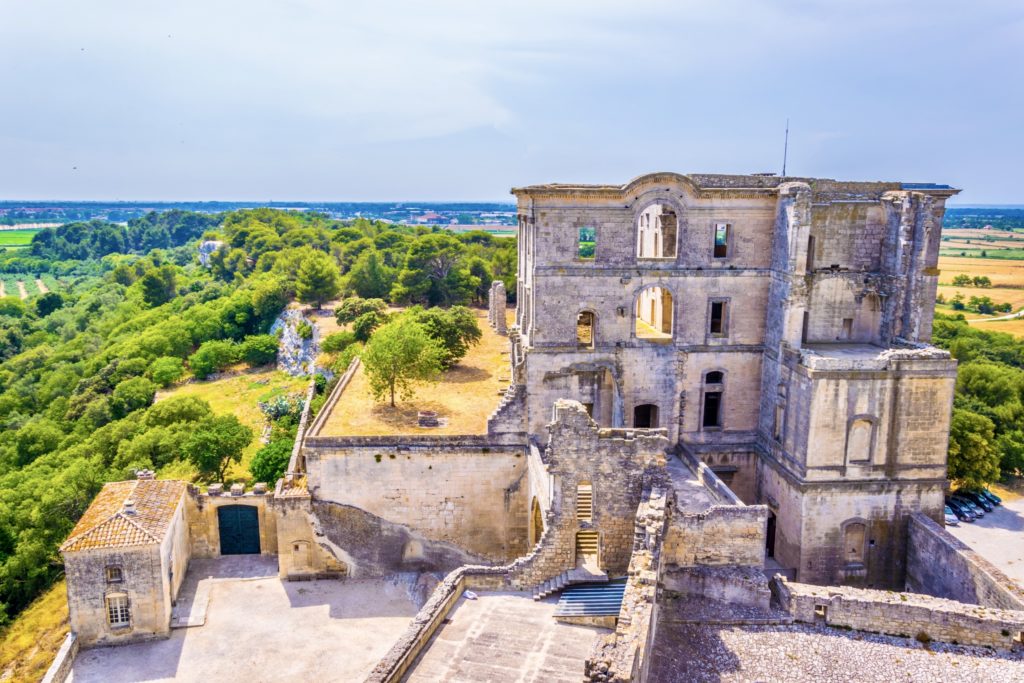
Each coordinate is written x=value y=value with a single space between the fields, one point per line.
x=296 y=354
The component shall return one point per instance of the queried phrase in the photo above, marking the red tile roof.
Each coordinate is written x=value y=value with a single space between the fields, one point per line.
x=106 y=524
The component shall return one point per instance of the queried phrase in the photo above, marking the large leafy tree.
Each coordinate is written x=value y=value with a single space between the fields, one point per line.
x=317 y=279
x=973 y=459
x=435 y=273
x=400 y=356
x=369 y=278
x=216 y=443
x=455 y=329
x=158 y=285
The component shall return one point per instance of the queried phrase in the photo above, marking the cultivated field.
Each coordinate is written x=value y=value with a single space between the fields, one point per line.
x=239 y=395
x=465 y=397
x=1002 y=272
x=16 y=238
x=1007 y=277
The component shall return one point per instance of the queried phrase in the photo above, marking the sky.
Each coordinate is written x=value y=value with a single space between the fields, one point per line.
x=399 y=100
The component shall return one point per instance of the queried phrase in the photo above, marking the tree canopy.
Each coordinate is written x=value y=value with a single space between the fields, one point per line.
x=399 y=357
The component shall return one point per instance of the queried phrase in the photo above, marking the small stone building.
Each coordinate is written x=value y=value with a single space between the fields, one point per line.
x=125 y=561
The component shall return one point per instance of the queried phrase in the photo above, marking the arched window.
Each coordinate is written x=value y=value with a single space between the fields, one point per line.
x=860 y=437
x=536 y=523
x=657 y=232
x=585 y=329
x=653 y=313
x=711 y=413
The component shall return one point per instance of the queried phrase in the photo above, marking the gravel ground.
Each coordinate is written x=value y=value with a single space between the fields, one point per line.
x=694 y=653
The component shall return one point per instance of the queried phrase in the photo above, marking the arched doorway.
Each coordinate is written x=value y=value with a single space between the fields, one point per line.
x=536 y=523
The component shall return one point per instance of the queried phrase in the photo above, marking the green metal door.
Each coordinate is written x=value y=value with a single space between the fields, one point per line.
x=239 y=530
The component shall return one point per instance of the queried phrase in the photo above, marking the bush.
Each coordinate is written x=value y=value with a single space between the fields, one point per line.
x=365 y=324
x=166 y=370
x=455 y=329
x=212 y=356
x=281 y=406
x=355 y=306
x=259 y=349
x=304 y=330
x=338 y=342
x=271 y=462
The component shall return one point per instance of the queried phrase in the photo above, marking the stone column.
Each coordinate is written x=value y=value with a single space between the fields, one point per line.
x=497 y=307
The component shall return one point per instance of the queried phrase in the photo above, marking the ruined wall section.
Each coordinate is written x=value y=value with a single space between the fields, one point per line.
x=466 y=491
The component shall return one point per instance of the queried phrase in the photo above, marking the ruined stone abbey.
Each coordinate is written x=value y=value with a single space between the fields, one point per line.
x=712 y=379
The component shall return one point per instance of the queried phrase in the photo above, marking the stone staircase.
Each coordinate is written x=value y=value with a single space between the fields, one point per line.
x=581 y=574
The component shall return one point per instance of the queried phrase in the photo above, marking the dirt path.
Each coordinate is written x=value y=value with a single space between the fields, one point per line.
x=42 y=286
x=3 y=290
x=1012 y=316
x=22 y=292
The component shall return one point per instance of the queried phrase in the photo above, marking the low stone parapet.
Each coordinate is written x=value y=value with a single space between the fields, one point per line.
x=908 y=615
x=62 y=663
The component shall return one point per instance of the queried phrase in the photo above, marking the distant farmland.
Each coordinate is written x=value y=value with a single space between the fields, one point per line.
x=16 y=238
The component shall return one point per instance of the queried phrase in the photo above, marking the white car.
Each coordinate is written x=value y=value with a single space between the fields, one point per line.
x=951 y=519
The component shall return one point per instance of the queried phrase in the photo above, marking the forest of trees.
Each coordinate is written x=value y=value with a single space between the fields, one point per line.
x=79 y=370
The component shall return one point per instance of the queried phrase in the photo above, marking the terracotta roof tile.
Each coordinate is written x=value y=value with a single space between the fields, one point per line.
x=106 y=524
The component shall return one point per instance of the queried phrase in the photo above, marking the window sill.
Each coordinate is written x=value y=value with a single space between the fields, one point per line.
x=120 y=627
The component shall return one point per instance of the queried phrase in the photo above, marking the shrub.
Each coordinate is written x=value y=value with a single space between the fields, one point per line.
x=304 y=330
x=355 y=306
x=212 y=356
x=338 y=342
x=132 y=394
x=166 y=370
x=271 y=462
x=365 y=324
x=259 y=349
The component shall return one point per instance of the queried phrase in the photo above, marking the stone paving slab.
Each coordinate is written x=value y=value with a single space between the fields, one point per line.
x=505 y=636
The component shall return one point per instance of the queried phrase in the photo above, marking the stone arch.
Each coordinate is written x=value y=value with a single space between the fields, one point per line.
x=536 y=523
x=656 y=228
x=860 y=438
x=645 y=416
x=654 y=312
x=586 y=328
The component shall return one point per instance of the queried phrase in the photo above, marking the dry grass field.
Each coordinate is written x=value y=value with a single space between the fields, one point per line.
x=30 y=643
x=239 y=395
x=1002 y=272
x=466 y=396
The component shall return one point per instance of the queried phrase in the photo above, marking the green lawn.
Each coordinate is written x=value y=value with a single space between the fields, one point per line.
x=990 y=252
x=239 y=396
x=16 y=239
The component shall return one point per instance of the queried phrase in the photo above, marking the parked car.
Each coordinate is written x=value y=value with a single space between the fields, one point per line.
x=978 y=499
x=961 y=511
x=996 y=500
x=974 y=507
x=951 y=519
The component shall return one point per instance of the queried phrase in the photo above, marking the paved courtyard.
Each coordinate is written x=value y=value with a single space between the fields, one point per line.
x=504 y=636
x=998 y=537
x=257 y=628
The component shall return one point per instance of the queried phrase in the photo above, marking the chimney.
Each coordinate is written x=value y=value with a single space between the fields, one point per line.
x=144 y=475
x=129 y=507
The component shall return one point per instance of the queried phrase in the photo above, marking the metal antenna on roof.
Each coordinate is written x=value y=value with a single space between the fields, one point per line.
x=785 y=149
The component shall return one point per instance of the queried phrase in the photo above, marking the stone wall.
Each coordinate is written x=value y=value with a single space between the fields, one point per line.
x=204 y=524
x=63 y=662
x=732 y=535
x=459 y=490
x=939 y=564
x=900 y=614
x=746 y=586
x=303 y=553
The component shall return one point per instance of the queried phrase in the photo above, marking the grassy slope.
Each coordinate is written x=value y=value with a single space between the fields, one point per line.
x=29 y=644
x=238 y=395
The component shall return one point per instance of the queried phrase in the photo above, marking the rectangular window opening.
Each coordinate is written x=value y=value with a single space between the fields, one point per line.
x=718 y=311
x=586 y=244
x=779 y=418
x=712 y=409
x=721 y=240
x=847 y=328
x=118 y=613
x=810 y=253
x=806 y=328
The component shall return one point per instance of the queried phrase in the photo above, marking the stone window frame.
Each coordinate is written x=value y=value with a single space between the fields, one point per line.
x=593 y=329
x=113 y=573
x=645 y=204
x=126 y=608
x=675 y=316
x=576 y=251
x=645 y=402
x=713 y=387
x=726 y=314
x=862 y=562
x=730 y=232
x=873 y=421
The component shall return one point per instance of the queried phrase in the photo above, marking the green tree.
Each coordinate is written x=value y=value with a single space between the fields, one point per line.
x=35 y=439
x=398 y=357
x=48 y=303
x=132 y=394
x=317 y=280
x=434 y=273
x=981 y=281
x=11 y=306
x=354 y=306
x=973 y=460
x=158 y=285
x=178 y=409
x=215 y=443
x=259 y=349
x=338 y=342
x=212 y=356
x=455 y=329
x=271 y=462
x=166 y=370
x=479 y=269
x=365 y=324
x=369 y=277
x=962 y=280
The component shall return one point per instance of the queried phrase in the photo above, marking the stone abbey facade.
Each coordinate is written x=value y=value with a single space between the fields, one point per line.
x=777 y=328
